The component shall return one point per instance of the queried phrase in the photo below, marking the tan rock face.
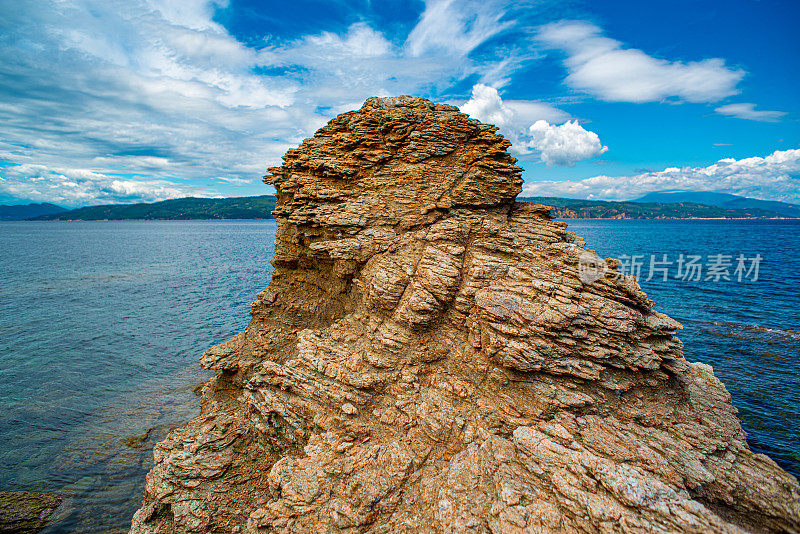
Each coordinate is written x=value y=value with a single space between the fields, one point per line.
x=426 y=359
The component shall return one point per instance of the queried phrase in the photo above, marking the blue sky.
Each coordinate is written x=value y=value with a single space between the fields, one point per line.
x=105 y=102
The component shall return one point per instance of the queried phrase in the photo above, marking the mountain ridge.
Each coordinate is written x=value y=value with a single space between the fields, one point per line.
x=19 y=212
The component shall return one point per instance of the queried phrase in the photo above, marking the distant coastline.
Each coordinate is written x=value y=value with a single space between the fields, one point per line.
x=190 y=208
x=570 y=208
x=261 y=207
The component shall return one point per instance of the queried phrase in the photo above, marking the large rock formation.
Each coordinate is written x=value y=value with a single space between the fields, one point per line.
x=426 y=358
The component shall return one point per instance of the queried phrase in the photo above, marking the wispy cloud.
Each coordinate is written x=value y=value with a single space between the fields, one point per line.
x=749 y=112
x=160 y=94
x=603 y=67
x=774 y=177
x=75 y=187
x=455 y=27
x=159 y=91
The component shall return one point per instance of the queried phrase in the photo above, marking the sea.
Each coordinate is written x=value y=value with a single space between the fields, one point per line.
x=102 y=325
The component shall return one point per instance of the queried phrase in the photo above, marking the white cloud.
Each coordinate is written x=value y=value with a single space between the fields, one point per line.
x=774 y=177
x=601 y=67
x=237 y=181
x=749 y=112
x=77 y=187
x=527 y=124
x=487 y=106
x=194 y=14
x=455 y=27
x=359 y=41
x=158 y=89
x=566 y=144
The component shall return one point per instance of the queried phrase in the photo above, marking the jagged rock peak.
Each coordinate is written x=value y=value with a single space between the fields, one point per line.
x=427 y=358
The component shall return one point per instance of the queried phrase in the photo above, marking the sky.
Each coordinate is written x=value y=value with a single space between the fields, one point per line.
x=105 y=101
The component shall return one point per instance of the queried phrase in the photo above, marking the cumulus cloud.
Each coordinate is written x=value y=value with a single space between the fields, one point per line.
x=602 y=67
x=527 y=124
x=748 y=111
x=485 y=104
x=774 y=177
x=565 y=144
x=158 y=89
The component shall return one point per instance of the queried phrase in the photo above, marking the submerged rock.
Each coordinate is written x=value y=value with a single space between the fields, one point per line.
x=137 y=441
x=426 y=358
x=24 y=512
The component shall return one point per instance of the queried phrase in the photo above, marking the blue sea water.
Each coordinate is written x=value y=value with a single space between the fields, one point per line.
x=102 y=325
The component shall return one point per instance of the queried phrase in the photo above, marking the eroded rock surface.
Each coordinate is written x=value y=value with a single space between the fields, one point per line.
x=426 y=359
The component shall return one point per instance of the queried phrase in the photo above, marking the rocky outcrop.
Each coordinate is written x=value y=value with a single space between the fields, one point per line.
x=427 y=358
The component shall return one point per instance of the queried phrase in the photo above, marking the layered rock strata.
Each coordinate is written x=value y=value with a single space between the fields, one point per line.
x=426 y=358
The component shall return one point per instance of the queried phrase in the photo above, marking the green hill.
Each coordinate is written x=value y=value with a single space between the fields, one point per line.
x=259 y=207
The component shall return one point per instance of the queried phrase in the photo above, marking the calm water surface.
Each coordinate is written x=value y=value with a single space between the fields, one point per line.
x=102 y=325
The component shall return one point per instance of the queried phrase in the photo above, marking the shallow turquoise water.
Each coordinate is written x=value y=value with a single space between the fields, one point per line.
x=102 y=325
x=101 y=328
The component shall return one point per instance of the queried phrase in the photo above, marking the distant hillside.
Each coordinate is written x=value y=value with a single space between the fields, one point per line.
x=260 y=207
x=26 y=211
x=723 y=200
x=570 y=208
x=179 y=209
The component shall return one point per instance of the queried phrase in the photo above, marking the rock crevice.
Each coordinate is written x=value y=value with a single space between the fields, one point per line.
x=427 y=359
